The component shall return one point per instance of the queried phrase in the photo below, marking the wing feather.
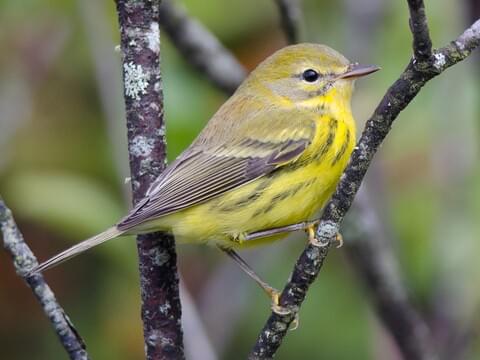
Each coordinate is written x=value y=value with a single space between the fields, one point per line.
x=208 y=170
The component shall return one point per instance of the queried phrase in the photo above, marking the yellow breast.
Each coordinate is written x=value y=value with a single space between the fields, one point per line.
x=291 y=194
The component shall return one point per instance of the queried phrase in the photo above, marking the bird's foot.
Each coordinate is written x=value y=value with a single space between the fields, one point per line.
x=274 y=295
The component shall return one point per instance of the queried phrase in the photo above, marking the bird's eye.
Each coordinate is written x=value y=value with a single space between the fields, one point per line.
x=310 y=75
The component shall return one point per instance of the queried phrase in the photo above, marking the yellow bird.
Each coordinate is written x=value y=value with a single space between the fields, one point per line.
x=271 y=156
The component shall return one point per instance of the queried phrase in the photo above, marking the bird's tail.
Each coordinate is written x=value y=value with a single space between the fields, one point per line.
x=77 y=249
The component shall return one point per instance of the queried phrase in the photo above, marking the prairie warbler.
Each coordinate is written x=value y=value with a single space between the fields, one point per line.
x=271 y=156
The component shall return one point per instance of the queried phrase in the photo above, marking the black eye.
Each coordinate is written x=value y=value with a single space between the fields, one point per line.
x=310 y=75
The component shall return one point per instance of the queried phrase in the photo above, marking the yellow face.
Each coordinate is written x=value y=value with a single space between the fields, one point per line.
x=304 y=72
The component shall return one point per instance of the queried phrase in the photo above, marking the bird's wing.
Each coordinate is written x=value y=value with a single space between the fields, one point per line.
x=265 y=142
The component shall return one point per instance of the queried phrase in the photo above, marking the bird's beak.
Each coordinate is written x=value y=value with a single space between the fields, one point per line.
x=356 y=70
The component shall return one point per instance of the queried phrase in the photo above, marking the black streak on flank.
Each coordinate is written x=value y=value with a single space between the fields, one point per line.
x=342 y=149
x=289 y=193
x=283 y=196
x=254 y=195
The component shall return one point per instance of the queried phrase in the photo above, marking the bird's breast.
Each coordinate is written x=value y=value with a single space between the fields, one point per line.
x=290 y=194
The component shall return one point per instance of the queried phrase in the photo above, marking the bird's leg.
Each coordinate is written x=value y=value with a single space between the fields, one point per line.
x=272 y=293
x=311 y=229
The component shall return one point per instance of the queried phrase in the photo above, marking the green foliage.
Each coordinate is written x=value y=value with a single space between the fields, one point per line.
x=67 y=203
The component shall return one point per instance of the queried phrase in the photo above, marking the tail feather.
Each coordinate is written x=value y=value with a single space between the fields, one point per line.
x=77 y=249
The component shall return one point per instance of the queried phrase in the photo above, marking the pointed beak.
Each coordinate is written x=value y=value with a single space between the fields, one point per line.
x=356 y=70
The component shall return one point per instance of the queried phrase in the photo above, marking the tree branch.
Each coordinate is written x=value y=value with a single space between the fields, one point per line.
x=368 y=242
x=24 y=261
x=140 y=43
x=398 y=96
x=290 y=19
x=422 y=44
x=201 y=48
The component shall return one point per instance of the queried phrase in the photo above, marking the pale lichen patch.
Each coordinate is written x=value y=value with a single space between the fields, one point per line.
x=165 y=308
x=153 y=37
x=157 y=87
x=327 y=230
x=136 y=80
x=440 y=61
x=135 y=184
x=159 y=256
x=145 y=165
x=161 y=131
x=157 y=337
x=363 y=151
x=141 y=146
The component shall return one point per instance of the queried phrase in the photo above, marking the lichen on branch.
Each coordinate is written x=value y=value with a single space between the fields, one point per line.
x=140 y=44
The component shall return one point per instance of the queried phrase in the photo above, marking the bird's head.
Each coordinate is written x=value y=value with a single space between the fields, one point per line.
x=308 y=74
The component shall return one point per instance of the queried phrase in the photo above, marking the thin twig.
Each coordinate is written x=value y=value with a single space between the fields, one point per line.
x=422 y=44
x=368 y=243
x=140 y=43
x=24 y=261
x=290 y=19
x=398 y=96
x=373 y=259
x=200 y=48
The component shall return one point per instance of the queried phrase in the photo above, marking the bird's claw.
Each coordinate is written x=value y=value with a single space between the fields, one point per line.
x=339 y=240
x=276 y=307
x=280 y=310
x=312 y=239
x=295 y=323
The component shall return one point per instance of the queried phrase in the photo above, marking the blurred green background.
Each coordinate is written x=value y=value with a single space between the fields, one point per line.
x=63 y=162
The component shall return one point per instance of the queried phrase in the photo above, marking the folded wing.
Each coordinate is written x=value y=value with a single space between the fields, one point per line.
x=207 y=170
